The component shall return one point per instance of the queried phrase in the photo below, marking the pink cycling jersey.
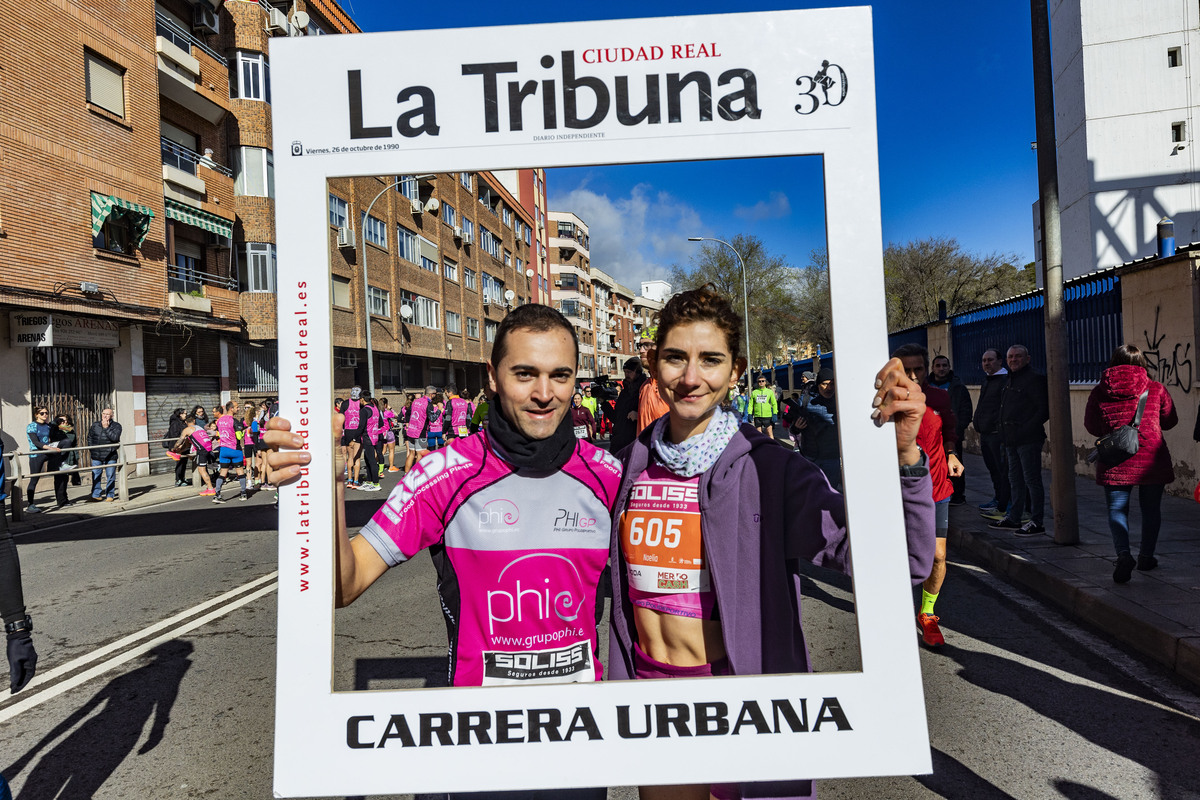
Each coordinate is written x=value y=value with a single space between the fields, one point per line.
x=227 y=428
x=437 y=413
x=460 y=414
x=351 y=412
x=374 y=425
x=518 y=574
x=202 y=440
x=416 y=418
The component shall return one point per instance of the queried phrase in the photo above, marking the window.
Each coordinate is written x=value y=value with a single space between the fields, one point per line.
x=570 y=308
x=528 y=236
x=490 y=328
x=488 y=199
x=250 y=77
x=1178 y=132
x=339 y=215
x=468 y=277
x=116 y=235
x=507 y=258
x=185 y=275
x=520 y=266
x=569 y=282
x=450 y=269
x=488 y=242
x=428 y=252
x=341 y=291
x=407 y=186
x=379 y=301
x=253 y=172
x=374 y=230
x=472 y=327
x=465 y=179
x=407 y=243
x=448 y=214
x=493 y=289
x=105 y=84
x=1174 y=57
x=260 y=267
x=453 y=322
x=426 y=312
x=468 y=230
x=506 y=216
x=314 y=28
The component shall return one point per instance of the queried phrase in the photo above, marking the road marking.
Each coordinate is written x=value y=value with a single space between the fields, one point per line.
x=1183 y=702
x=230 y=599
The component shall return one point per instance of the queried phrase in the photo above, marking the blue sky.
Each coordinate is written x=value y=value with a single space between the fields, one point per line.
x=955 y=108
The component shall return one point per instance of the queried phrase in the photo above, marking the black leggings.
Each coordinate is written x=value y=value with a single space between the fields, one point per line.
x=369 y=453
x=36 y=464
x=181 y=469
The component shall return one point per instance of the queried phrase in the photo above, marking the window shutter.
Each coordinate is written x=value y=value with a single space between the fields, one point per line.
x=105 y=85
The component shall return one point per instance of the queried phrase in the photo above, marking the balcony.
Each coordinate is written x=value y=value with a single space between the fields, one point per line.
x=180 y=65
x=181 y=173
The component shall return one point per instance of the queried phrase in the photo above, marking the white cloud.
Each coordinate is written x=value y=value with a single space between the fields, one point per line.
x=638 y=237
x=776 y=207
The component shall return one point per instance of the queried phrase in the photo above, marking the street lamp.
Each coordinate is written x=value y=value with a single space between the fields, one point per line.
x=367 y=288
x=745 y=294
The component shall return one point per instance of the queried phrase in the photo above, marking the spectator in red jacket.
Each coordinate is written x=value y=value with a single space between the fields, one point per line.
x=1113 y=403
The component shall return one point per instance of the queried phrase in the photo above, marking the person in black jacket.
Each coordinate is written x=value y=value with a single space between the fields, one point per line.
x=62 y=435
x=623 y=413
x=943 y=377
x=18 y=627
x=104 y=431
x=1024 y=410
x=987 y=425
x=817 y=425
x=175 y=426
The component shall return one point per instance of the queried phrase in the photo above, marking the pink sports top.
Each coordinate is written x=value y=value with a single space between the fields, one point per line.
x=202 y=440
x=374 y=425
x=460 y=414
x=518 y=555
x=436 y=414
x=664 y=552
x=227 y=428
x=351 y=412
x=416 y=418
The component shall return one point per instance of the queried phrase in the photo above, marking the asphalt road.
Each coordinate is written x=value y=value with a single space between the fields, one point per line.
x=156 y=632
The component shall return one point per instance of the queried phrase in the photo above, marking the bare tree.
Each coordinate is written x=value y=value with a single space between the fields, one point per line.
x=815 y=310
x=770 y=288
x=920 y=273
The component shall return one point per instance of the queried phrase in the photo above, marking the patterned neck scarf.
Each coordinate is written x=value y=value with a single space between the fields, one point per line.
x=698 y=453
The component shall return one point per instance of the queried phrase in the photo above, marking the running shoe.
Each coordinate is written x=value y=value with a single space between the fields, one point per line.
x=110 y=499
x=990 y=505
x=218 y=499
x=1124 y=570
x=1005 y=524
x=32 y=509
x=207 y=492
x=371 y=487
x=992 y=513
x=243 y=496
x=1030 y=529
x=393 y=469
x=931 y=634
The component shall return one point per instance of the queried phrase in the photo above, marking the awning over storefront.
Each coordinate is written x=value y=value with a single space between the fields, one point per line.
x=139 y=216
x=199 y=219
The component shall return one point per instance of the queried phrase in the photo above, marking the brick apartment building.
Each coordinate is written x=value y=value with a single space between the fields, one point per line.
x=136 y=207
x=447 y=255
x=573 y=294
x=613 y=311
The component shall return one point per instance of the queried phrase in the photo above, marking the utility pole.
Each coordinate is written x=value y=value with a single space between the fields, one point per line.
x=1062 y=445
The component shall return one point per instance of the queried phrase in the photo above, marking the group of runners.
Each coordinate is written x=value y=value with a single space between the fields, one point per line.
x=703 y=520
x=371 y=429
x=226 y=446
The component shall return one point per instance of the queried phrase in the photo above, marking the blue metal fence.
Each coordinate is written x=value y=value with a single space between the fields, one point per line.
x=918 y=335
x=1093 y=319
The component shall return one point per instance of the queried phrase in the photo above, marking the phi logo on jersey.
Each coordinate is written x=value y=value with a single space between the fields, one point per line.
x=498 y=516
x=535 y=587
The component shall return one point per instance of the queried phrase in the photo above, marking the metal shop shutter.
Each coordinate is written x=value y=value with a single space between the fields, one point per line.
x=163 y=395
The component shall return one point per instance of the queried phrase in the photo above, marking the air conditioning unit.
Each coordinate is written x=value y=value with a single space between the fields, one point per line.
x=415 y=202
x=277 y=21
x=205 y=19
x=558 y=284
x=433 y=205
x=345 y=237
x=468 y=237
x=458 y=234
x=351 y=359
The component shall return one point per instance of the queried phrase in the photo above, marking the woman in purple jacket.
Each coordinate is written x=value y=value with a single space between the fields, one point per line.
x=740 y=511
x=1113 y=403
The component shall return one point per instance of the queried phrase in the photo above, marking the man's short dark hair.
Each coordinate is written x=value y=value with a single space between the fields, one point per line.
x=533 y=317
x=911 y=349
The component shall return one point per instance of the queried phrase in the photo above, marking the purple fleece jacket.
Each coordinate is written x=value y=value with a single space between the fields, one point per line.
x=783 y=511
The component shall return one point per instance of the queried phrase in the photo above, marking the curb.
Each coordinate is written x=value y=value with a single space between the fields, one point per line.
x=1165 y=641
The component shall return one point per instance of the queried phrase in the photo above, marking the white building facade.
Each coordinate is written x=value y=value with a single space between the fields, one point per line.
x=1125 y=98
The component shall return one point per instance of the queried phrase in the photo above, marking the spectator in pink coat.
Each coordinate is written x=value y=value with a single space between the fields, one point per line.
x=1113 y=403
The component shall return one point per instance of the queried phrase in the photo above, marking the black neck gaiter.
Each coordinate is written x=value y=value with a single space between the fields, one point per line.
x=546 y=455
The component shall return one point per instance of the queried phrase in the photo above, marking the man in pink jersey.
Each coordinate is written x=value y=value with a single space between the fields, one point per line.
x=516 y=517
x=458 y=414
x=230 y=456
x=415 y=438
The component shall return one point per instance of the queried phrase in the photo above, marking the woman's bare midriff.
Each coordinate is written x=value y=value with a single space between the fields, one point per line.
x=678 y=641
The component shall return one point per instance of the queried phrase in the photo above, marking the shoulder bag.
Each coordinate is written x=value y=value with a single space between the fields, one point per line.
x=1122 y=443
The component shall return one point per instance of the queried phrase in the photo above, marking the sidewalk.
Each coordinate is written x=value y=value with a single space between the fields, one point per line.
x=144 y=492
x=1157 y=613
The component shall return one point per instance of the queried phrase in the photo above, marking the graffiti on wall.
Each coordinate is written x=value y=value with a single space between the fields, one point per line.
x=1167 y=364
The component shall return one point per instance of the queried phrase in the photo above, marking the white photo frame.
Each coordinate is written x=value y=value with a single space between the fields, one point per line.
x=369 y=104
